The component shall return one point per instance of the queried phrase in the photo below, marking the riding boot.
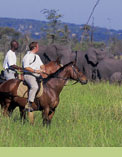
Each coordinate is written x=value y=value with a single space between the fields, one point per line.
x=28 y=107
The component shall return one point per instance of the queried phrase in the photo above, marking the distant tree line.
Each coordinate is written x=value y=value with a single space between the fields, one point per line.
x=33 y=28
x=58 y=33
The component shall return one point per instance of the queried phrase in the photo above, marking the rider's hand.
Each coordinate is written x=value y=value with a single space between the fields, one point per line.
x=42 y=68
x=38 y=71
x=20 y=70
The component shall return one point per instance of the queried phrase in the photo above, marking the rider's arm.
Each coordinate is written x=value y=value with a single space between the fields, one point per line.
x=16 y=67
x=32 y=70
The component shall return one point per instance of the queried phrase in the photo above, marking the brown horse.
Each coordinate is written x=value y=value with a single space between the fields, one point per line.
x=51 y=67
x=48 y=101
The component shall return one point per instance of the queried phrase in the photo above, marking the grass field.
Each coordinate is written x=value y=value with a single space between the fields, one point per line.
x=87 y=116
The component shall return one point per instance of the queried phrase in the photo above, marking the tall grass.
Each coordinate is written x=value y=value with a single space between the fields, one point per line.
x=1 y=60
x=87 y=116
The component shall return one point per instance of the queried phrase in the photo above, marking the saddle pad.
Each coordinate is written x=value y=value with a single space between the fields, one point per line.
x=22 y=90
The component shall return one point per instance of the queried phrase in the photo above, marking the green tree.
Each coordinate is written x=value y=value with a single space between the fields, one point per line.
x=23 y=45
x=54 y=24
x=6 y=35
x=66 y=35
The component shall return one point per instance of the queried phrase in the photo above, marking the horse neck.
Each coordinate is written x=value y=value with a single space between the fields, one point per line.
x=59 y=81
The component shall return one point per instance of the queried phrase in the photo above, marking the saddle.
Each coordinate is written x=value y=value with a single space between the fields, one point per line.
x=23 y=90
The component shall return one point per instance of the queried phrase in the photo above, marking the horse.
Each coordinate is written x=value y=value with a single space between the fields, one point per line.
x=49 y=100
x=2 y=78
x=50 y=67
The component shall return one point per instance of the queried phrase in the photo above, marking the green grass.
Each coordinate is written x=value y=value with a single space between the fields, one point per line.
x=1 y=60
x=87 y=116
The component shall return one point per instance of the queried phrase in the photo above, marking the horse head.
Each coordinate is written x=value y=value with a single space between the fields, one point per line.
x=77 y=75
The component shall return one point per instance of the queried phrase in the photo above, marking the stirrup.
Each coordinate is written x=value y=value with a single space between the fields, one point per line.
x=28 y=108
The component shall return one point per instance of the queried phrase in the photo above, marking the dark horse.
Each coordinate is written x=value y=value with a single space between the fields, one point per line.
x=50 y=67
x=48 y=101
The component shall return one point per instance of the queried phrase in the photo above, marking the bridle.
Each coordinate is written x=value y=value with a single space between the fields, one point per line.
x=74 y=71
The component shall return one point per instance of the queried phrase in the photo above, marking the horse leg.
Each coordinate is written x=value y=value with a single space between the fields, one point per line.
x=2 y=105
x=45 y=116
x=51 y=114
x=52 y=110
x=5 y=109
x=11 y=108
x=31 y=117
x=22 y=113
x=10 y=111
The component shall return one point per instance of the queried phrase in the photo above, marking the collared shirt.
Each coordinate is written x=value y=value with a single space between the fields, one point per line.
x=32 y=60
x=10 y=59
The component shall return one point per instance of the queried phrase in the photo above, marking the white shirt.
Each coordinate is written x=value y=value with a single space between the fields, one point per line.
x=32 y=60
x=10 y=59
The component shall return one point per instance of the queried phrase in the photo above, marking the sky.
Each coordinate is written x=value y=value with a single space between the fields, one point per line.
x=108 y=13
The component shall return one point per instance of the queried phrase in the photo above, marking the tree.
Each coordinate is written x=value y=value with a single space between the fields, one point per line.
x=23 y=45
x=116 y=47
x=87 y=27
x=85 y=35
x=54 y=24
x=66 y=34
x=6 y=35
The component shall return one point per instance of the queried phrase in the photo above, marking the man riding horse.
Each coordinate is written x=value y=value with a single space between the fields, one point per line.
x=10 y=60
x=33 y=67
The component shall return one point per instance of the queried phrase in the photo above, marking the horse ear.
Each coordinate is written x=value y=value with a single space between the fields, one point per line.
x=74 y=62
x=58 y=60
x=76 y=56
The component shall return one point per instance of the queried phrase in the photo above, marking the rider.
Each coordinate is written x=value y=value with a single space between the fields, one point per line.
x=33 y=67
x=9 y=63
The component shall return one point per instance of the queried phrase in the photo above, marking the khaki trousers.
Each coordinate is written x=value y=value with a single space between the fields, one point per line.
x=33 y=85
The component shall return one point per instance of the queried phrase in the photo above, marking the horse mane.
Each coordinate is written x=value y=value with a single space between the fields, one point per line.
x=54 y=75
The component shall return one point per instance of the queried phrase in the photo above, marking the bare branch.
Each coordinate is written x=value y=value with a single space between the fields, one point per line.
x=85 y=32
x=92 y=11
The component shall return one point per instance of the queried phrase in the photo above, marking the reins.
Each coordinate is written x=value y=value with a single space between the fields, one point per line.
x=76 y=74
x=42 y=79
x=74 y=71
